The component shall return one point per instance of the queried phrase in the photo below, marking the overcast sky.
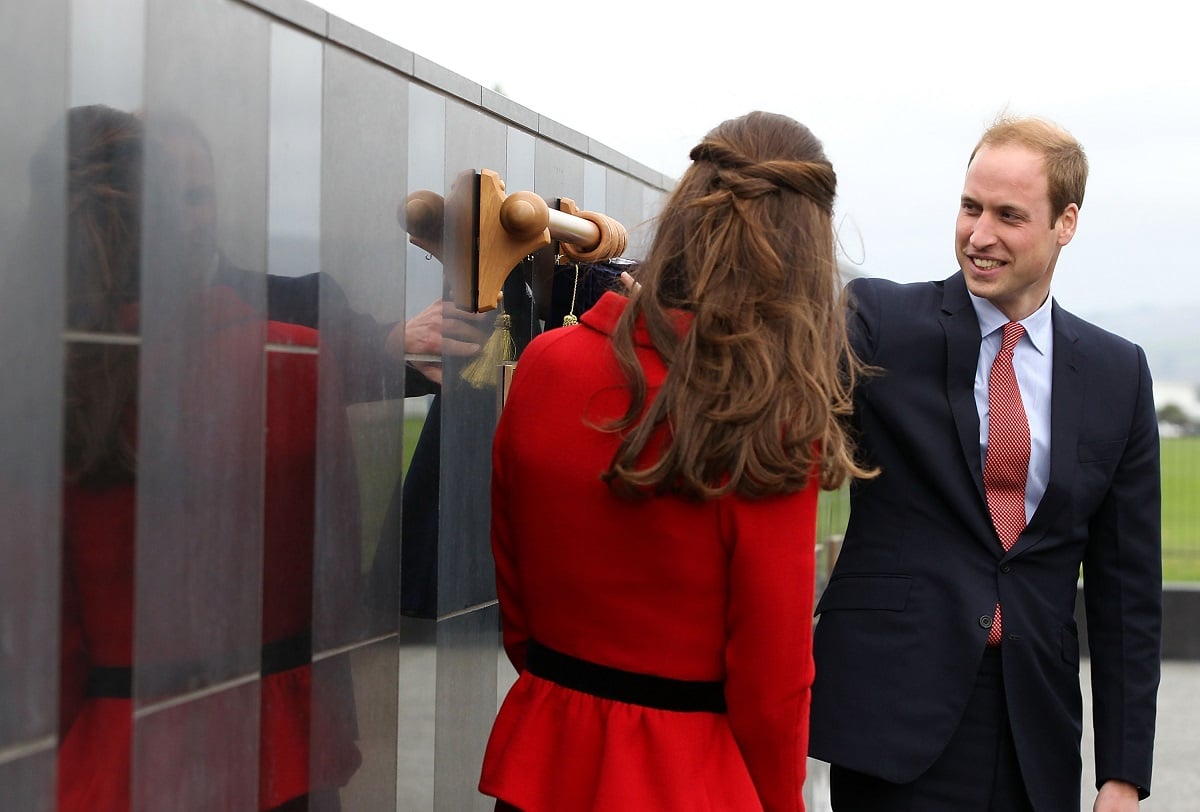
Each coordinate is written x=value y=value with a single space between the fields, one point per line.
x=898 y=92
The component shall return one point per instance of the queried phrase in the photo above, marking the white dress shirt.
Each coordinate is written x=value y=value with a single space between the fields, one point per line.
x=1033 y=361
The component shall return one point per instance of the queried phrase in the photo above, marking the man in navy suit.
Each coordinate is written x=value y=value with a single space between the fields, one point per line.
x=947 y=651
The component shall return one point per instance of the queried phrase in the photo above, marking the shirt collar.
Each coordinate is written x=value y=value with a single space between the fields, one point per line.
x=1037 y=325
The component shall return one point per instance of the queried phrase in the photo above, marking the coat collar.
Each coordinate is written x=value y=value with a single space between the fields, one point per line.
x=604 y=314
x=961 y=328
x=1066 y=397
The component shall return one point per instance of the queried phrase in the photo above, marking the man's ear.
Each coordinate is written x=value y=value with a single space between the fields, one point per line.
x=1066 y=223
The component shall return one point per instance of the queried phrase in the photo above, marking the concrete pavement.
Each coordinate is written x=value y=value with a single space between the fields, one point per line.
x=1176 y=780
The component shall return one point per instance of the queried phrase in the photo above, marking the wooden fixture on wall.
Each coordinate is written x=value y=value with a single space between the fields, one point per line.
x=481 y=234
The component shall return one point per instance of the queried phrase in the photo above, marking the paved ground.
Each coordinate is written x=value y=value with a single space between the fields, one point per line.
x=1176 y=786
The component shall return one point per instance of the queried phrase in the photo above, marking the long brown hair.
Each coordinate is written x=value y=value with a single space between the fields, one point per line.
x=759 y=385
x=104 y=186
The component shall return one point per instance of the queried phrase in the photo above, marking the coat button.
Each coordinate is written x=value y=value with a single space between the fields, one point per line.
x=1006 y=569
x=985 y=621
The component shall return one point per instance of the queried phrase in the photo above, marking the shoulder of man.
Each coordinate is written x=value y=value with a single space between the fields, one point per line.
x=1074 y=327
x=874 y=288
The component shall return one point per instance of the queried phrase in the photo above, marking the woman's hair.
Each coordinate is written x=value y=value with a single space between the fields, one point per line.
x=759 y=385
x=104 y=185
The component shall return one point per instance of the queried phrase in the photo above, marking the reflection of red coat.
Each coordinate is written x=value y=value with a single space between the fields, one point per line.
x=715 y=591
x=98 y=617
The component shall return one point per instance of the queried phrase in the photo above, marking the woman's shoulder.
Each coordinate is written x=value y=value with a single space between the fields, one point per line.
x=567 y=343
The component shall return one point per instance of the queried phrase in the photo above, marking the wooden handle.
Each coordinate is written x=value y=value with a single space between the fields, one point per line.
x=501 y=250
x=423 y=216
x=511 y=227
x=524 y=215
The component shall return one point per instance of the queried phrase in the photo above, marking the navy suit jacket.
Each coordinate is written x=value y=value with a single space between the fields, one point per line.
x=902 y=621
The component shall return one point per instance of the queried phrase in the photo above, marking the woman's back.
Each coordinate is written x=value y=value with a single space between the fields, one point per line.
x=713 y=591
x=655 y=478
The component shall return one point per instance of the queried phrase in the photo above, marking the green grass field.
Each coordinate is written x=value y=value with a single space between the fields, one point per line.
x=1180 y=496
x=1180 y=509
x=412 y=431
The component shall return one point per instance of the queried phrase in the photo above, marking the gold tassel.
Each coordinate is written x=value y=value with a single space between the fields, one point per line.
x=570 y=320
x=483 y=371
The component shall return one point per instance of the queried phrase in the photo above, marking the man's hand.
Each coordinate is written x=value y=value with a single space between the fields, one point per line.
x=1116 y=796
x=439 y=330
x=630 y=284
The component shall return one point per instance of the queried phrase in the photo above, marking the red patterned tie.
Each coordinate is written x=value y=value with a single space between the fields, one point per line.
x=1007 y=463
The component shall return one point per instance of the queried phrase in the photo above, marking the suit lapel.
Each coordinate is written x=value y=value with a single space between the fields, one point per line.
x=961 y=327
x=1065 y=398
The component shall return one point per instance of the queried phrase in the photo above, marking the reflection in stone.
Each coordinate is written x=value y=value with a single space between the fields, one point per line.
x=218 y=346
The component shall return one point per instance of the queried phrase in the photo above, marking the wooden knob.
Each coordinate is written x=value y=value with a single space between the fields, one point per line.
x=524 y=214
x=422 y=213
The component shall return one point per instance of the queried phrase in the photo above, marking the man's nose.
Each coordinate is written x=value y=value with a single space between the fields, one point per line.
x=983 y=232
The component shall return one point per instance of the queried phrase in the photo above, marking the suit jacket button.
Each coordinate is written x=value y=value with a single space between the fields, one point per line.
x=985 y=621
x=1006 y=568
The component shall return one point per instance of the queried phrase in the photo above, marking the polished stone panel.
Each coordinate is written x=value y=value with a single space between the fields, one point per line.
x=258 y=567
x=353 y=726
x=33 y=45
x=27 y=781
x=426 y=137
x=199 y=754
x=595 y=189
x=108 y=45
x=294 y=150
x=362 y=302
x=465 y=574
x=466 y=705
x=417 y=715
x=559 y=173
x=201 y=397
x=625 y=199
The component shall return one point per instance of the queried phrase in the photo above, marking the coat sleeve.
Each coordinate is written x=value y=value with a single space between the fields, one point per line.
x=861 y=314
x=513 y=625
x=768 y=656
x=1122 y=579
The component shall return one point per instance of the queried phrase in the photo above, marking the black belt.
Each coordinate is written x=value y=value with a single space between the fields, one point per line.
x=605 y=682
x=162 y=679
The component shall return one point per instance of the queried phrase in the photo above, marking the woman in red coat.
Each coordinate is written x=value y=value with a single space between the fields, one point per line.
x=655 y=482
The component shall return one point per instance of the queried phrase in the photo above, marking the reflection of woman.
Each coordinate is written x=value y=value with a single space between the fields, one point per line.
x=99 y=514
x=655 y=483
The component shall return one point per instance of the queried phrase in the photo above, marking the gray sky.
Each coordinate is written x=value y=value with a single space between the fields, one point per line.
x=898 y=92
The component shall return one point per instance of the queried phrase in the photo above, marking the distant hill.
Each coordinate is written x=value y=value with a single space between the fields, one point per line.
x=1169 y=334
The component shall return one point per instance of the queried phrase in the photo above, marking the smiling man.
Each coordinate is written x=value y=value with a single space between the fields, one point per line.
x=1017 y=444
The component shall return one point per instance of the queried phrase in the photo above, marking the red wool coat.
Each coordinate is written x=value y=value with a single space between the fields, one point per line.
x=719 y=590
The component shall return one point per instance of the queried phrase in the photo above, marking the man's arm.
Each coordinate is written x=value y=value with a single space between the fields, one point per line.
x=439 y=330
x=375 y=352
x=1122 y=584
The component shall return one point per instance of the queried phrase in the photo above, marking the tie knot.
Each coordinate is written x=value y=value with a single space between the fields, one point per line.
x=1012 y=334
